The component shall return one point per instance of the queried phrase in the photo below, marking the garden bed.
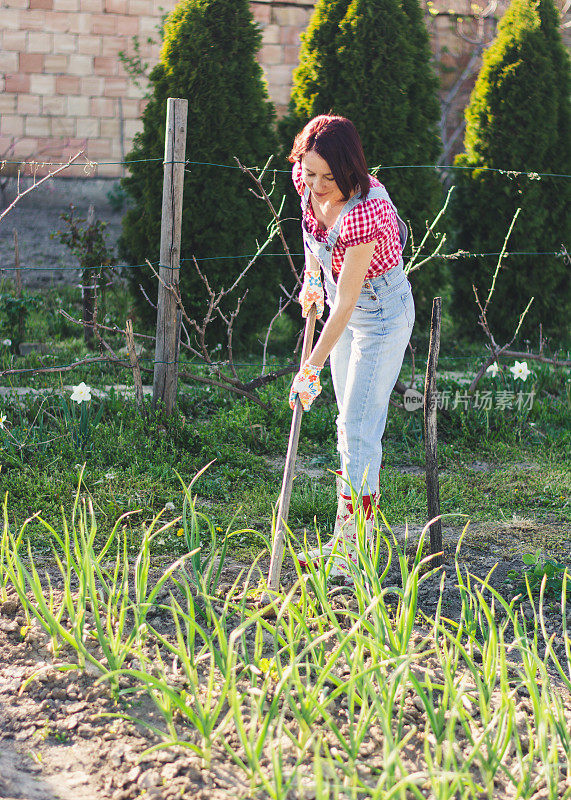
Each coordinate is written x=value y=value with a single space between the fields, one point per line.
x=61 y=738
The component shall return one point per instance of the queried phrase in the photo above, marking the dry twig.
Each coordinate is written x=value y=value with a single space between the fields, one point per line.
x=263 y=195
x=496 y=350
x=35 y=184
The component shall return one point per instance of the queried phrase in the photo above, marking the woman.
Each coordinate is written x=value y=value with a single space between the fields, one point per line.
x=353 y=241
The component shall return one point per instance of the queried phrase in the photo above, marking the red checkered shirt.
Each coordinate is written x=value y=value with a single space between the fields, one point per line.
x=368 y=220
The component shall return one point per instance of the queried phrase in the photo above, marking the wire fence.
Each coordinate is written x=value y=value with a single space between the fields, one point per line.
x=471 y=360
x=443 y=256
x=90 y=168
x=510 y=173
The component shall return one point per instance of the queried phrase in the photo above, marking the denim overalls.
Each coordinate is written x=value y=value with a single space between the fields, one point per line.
x=366 y=361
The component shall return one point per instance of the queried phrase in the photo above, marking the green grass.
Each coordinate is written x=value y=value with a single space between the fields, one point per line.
x=336 y=697
x=494 y=465
x=130 y=464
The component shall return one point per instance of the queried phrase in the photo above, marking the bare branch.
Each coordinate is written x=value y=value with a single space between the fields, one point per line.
x=35 y=184
x=430 y=230
x=483 y=321
x=252 y=261
x=263 y=380
x=122 y=332
x=556 y=362
x=230 y=328
x=496 y=350
x=147 y=298
x=505 y=244
x=66 y=367
x=483 y=316
x=277 y=315
x=187 y=376
x=264 y=195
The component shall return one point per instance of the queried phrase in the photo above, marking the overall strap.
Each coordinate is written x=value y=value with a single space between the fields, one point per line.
x=334 y=232
x=375 y=193
x=380 y=193
x=306 y=248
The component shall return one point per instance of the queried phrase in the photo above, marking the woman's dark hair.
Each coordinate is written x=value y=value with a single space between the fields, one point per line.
x=336 y=140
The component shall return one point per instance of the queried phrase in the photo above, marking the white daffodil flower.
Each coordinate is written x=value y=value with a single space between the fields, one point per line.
x=81 y=393
x=7 y=342
x=169 y=506
x=2 y=420
x=520 y=370
x=493 y=369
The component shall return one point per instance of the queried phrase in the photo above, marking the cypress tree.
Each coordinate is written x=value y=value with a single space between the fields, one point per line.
x=318 y=57
x=208 y=57
x=369 y=60
x=517 y=119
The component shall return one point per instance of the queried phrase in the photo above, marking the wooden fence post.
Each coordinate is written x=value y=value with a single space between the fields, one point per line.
x=18 y=281
x=166 y=351
x=134 y=362
x=88 y=283
x=431 y=434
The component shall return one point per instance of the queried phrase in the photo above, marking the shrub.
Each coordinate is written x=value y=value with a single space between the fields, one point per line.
x=369 y=60
x=517 y=119
x=87 y=241
x=15 y=308
x=208 y=56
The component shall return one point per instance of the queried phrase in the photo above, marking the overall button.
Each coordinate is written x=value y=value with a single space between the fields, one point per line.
x=327 y=248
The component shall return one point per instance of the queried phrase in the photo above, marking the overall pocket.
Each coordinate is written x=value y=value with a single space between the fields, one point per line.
x=397 y=308
x=370 y=297
x=368 y=300
x=409 y=310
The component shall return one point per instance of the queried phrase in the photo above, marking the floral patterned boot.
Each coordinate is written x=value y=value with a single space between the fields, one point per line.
x=327 y=547
x=347 y=544
x=342 y=547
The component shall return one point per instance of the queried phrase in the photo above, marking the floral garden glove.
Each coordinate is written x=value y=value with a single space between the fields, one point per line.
x=312 y=292
x=306 y=386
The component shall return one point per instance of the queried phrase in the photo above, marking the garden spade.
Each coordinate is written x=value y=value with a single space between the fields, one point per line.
x=285 y=495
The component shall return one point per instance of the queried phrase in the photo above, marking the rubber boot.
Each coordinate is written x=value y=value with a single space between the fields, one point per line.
x=342 y=547
x=327 y=547
x=347 y=542
x=345 y=536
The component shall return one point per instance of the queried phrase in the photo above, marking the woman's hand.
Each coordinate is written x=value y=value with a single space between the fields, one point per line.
x=312 y=293
x=306 y=386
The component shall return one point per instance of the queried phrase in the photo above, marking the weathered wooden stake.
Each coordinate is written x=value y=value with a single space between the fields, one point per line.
x=18 y=275
x=134 y=361
x=166 y=352
x=18 y=281
x=431 y=434
x=87 y=284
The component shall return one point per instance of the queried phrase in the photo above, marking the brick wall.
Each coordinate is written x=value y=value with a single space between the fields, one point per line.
x=282 y=25
x=64 y=88
x=63 y=85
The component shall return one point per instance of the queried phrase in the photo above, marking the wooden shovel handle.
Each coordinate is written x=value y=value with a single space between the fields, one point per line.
x=285 y=496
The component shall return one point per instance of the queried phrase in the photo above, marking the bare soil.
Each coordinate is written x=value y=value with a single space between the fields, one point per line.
x=56 y=743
